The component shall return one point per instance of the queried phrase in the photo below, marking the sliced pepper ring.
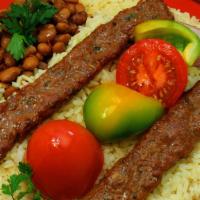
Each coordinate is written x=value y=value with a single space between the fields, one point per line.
x=184 y=39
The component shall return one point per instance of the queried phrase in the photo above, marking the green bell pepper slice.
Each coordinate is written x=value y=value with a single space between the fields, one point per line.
x=184 y=39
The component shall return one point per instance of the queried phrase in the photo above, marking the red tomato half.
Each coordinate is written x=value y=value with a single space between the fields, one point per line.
x=154 y=68
x=4 y=4
x=65 y=158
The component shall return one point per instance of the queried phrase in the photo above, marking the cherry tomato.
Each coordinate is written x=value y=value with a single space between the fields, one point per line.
x=154 y=68
x=65 y=158
x=4 y=4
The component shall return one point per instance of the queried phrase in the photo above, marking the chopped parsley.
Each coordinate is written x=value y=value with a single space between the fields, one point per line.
x=17 y=46
x=14 y=186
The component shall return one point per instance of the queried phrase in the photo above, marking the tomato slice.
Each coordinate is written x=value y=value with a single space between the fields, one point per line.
x=154 y=68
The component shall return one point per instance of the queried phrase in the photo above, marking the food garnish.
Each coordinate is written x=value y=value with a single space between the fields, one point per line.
x=113 y=112
x=21 y=21
x=65 y=158
x=14 y=187
x=184 y=39
x=154 y=68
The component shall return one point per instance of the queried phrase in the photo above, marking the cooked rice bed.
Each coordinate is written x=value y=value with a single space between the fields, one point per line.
x=180 y=182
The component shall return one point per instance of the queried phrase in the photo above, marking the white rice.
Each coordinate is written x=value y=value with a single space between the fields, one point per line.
x=180 y=182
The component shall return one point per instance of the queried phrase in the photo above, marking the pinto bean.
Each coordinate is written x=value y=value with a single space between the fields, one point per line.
x=63 y=38
x=79 y=18
x=5 y=39
x=62 y=27
x=44 y=49
x=9 y=60
x=57 y=18
x=30 y=63
x=48 y=26
x=10 y=74
x=64 y=13
x=39 y=56
x=73 y=29
x=30 y=50
x=72 y=8
x=59 y=4
x=58 y=47
x=47 y=33
x=67 y=28
x=79 y=7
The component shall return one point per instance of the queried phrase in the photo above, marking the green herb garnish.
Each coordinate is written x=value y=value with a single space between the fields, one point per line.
x=21 y=23
x=14 y=186
x=17 y=46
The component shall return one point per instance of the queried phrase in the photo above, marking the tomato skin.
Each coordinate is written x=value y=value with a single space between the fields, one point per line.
x=5 y=4
x=65 y=158
x=150 y=76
